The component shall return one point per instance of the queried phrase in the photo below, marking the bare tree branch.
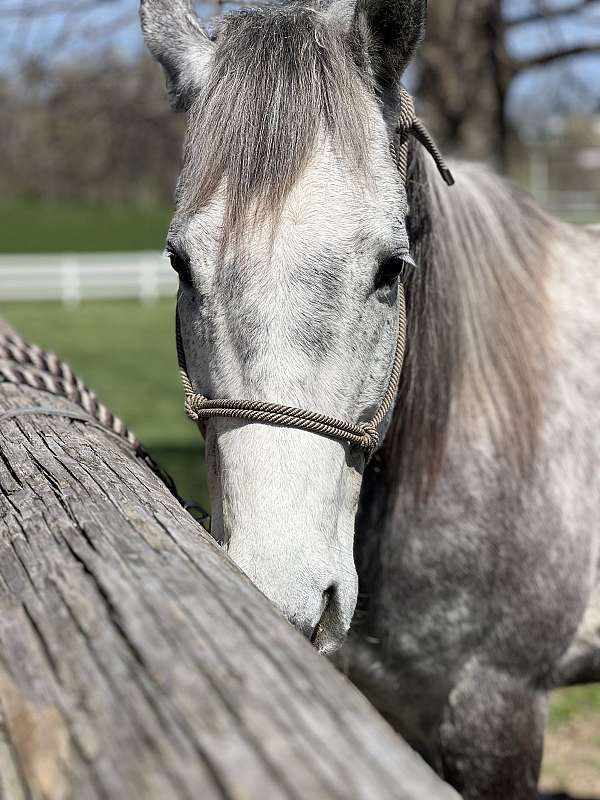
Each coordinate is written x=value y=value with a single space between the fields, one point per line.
x=554 y=55
x=546 y=13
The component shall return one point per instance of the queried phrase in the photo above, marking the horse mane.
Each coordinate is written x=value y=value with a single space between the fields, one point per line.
x=477 y=309
x=477 y=321
x=280 y=76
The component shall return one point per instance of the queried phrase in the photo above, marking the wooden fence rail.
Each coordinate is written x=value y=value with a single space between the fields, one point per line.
x=137 y=663
x=73 y=277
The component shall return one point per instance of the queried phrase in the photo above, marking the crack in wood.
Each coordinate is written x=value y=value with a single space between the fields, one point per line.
x=142 y=664
x=52 y=662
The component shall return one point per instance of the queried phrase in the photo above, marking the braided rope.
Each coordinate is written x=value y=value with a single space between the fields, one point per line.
x=28 y=365
x=410 y=125
x=31 y=366
x=364 y=435
x=404 y=125
x=420 y=132
x=27 y=355
x=394 y=382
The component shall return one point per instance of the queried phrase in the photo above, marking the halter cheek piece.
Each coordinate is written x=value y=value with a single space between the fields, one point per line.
x=364 y=435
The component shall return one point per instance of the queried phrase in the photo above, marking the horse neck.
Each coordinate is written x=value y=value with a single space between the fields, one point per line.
x=477 y=314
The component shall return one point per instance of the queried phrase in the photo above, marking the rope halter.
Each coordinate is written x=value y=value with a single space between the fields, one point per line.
x=363 y=435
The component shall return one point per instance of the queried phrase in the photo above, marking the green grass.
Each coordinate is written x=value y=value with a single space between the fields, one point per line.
x=569 y=703
x=581 y=217
x=30 y=227
x=125 y=351
x=40 y=228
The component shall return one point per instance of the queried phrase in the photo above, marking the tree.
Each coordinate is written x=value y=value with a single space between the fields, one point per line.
x=75 y=116
x=466 y=67
x=96 y=130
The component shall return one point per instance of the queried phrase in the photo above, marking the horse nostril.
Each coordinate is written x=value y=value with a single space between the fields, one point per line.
x=328 y=597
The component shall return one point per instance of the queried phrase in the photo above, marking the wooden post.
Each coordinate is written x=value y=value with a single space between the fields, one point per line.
x=136 y=661
x=71 y=290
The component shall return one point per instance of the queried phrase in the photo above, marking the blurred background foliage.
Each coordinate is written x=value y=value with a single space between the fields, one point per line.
x=84 y=120
x=89 y=154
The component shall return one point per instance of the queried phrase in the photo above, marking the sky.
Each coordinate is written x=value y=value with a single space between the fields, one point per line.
x=97 y=26
x=572 y=84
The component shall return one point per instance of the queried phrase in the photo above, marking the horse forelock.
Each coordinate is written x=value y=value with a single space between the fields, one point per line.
x=280 y=76
x=477 y=307
x=478 y=322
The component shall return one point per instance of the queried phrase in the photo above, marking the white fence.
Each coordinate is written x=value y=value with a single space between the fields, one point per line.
x=85 y=276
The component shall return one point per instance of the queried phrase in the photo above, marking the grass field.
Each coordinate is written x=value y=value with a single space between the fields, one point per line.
x=39 y=228
x=126 y=352
x=29 y=227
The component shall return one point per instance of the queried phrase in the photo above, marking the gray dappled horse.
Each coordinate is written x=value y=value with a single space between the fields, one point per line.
x=477 y=536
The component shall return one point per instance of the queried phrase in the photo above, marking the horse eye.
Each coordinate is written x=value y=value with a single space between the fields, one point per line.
x=391 y=268
x=181 y=265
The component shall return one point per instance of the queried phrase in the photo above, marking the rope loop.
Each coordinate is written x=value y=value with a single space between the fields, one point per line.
x=408 y=125
x=191 y=406
x=371 y=437
x=407 y=113
x=24 y=364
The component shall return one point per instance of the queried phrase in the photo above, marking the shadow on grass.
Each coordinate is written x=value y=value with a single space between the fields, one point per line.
x=185 y=464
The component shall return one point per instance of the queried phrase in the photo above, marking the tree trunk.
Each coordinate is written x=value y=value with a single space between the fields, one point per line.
x=464 y=73
x=136 y=662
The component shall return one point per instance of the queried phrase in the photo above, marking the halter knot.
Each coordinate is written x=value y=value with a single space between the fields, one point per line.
x=191 y=406
x=371 y=437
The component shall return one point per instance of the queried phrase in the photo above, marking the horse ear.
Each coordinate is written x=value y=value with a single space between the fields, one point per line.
x=175 y=37
x=389 y=30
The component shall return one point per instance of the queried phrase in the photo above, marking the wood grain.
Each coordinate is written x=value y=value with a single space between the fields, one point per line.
x=137 y=662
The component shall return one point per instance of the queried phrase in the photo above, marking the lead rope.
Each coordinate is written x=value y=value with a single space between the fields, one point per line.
x=410 y=125
x=23 y=364
x=364 y=435
x=28 y=365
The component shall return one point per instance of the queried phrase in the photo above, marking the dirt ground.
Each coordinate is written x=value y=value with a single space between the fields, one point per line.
x=572 y=749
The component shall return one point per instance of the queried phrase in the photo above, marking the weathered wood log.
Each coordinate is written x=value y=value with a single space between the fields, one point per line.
x=136 y=662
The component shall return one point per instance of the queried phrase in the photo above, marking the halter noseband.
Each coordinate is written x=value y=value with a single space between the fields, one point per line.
x=364 y=435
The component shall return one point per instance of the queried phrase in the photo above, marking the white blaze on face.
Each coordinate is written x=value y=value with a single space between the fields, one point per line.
x=296 y=317
x=293 y=318
x=288 y=507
